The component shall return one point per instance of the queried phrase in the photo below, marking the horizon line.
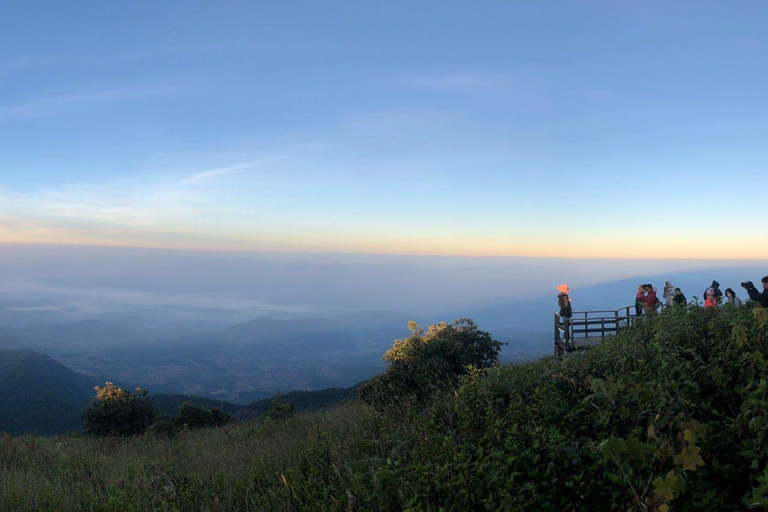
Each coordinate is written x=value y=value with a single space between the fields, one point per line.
x=348 y=253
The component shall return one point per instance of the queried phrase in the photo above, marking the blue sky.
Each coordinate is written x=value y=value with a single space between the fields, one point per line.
x=589 y=129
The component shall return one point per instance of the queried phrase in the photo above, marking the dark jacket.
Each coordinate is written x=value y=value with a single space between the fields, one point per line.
x=565 y=305
x=680 y=299
x=757 y=296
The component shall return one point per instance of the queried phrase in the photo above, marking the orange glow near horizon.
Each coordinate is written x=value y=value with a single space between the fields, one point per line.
x=473 y=247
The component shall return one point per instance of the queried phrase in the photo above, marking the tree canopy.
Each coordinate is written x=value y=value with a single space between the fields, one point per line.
x=432 y=359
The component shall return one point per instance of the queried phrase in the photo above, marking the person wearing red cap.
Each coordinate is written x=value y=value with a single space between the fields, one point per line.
x=564 y=302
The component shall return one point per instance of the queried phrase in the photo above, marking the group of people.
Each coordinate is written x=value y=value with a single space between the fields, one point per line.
x=647 y=302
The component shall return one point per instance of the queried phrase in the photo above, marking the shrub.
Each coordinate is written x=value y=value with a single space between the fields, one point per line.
x=164 y=427
x=195 y=416
x=280 y=409
x=431 y=360
x=671 y=414
x=118 y=412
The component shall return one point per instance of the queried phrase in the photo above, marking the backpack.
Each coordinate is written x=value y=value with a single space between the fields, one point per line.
x=657 y=304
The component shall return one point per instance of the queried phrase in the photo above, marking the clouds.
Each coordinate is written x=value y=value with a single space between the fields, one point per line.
x=89 y=100
x=207 y=176
x=142 y=210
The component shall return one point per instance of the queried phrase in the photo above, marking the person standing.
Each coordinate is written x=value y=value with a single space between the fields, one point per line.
x=639 y=299
x=650 y=302
x=668 y=294
x=755 y=295
x=714 y=292
x=732 y=298
x=679 y=299
x=566 y=311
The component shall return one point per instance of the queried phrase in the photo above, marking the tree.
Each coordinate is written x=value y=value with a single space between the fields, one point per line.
x=195 y=416
x=431 y=360
x=118 y=412
x=280 y=409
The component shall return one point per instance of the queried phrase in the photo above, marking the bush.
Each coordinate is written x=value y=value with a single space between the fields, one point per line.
x=164 y=427
x=194 y=416
x=431 y=360
x=118 y=412
x=671 y=414
x=280 y=409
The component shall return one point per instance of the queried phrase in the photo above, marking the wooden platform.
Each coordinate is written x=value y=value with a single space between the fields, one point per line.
x=588 y=328
x=578 y=343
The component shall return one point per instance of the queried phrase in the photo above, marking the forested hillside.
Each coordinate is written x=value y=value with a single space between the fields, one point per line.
x=668 y=415
x=39 y=395
x=168 y=403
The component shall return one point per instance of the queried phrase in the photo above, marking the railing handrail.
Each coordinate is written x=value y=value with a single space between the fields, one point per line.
x=603 y=310
x=580 y=325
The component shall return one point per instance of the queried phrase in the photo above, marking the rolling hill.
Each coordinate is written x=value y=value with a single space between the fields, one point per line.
x=39 y=395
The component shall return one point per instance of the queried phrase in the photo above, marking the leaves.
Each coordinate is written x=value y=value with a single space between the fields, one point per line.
x=667 y=488
x=689 y=458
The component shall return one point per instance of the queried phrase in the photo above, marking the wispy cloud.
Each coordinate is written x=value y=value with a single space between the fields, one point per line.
x=54 y=104
x=205 y=176
x=131 y=203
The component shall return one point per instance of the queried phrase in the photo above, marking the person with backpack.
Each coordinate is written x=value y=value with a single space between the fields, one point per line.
x=651 y=302
x=732 y=298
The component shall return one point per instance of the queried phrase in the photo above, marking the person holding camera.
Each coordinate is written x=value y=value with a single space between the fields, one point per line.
x=669 y=294
x=755 y=295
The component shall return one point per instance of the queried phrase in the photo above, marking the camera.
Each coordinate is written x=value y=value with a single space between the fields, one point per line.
x=747 y=284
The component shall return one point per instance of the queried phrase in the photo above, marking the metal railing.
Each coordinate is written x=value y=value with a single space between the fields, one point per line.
x=590 y=324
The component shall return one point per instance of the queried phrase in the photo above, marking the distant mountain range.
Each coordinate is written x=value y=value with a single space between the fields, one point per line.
x=39 y=395
x=253 y=360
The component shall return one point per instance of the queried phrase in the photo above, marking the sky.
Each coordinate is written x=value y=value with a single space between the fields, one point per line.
x=537 y=129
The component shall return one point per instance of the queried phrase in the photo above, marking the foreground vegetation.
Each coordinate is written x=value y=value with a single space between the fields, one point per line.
x=669 y=415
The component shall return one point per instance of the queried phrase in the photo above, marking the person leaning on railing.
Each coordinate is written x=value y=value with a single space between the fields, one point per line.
x=755 y=295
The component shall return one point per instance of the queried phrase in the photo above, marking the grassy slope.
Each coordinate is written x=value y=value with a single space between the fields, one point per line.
x=232 y=468
x=668 y=416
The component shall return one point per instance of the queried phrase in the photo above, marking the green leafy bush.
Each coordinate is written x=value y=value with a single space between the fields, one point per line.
x=118 y=412
x=195 y=416
x=280 y=409
x=432 y=360
x=672 y=414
